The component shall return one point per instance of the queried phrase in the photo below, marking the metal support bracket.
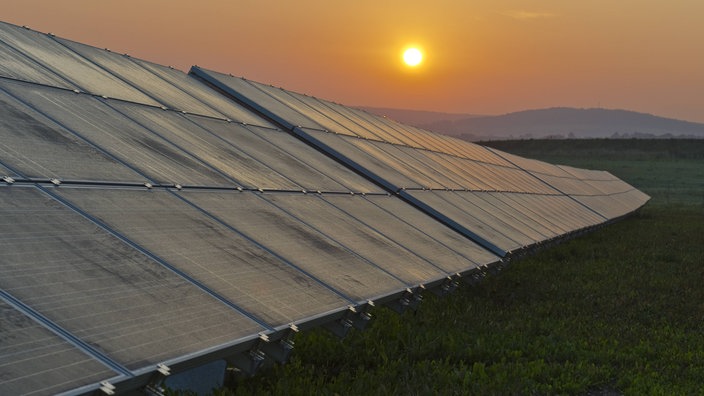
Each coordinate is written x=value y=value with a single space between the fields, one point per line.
x=362 y=316
x=155 y=386
x=447 y=287
x=250 y=361
x=410 y=299
x=280 y=350
x=496 y=268
x=107 y=388
x=476 y=276
x=356 y=317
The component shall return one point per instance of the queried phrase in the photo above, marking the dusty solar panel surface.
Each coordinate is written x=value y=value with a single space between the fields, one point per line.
x=155 y=217
x=503 y=202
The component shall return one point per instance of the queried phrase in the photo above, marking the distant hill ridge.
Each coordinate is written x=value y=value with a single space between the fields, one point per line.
x=558 y=122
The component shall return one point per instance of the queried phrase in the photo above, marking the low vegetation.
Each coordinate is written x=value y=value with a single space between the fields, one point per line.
x=616 y=311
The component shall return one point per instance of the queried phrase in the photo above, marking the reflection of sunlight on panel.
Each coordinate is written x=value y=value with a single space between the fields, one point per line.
x=155 y=221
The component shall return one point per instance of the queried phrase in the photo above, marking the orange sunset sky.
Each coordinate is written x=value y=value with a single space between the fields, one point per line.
x=481 y=57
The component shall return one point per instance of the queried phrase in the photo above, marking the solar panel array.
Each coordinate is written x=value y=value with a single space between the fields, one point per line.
x=152 y=217
x=503 y=202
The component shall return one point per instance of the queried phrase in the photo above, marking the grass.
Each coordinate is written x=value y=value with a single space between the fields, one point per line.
x=617 y=311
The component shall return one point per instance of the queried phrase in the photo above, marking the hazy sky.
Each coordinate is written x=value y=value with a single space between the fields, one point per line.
x=482 y=56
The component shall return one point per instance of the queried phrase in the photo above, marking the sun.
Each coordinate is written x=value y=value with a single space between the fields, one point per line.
x=412 y=57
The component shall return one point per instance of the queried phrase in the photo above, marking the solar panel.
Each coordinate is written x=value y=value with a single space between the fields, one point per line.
x=94 y=121
x=258 y=144
x=123 y=67
x=17 y=66
x=316 y=253
x=480 y=222
x=33 y=360
x=409 y=162
x=203 y=93
x=228 y=159
x=241 y=270
x=4 y=172
x=76 y=70
x=377 y=133
x=37 y=147
x=597 y=190
x=367 y=243
x=375 y=167
x=426 y=238
x=134 y=311
x=286 y=116
x=151 y=217
x=505 y=214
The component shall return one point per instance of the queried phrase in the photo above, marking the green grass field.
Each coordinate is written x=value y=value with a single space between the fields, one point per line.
x=617 y=311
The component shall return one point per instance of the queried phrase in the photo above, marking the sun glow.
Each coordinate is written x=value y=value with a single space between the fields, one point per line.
x=412 y=57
